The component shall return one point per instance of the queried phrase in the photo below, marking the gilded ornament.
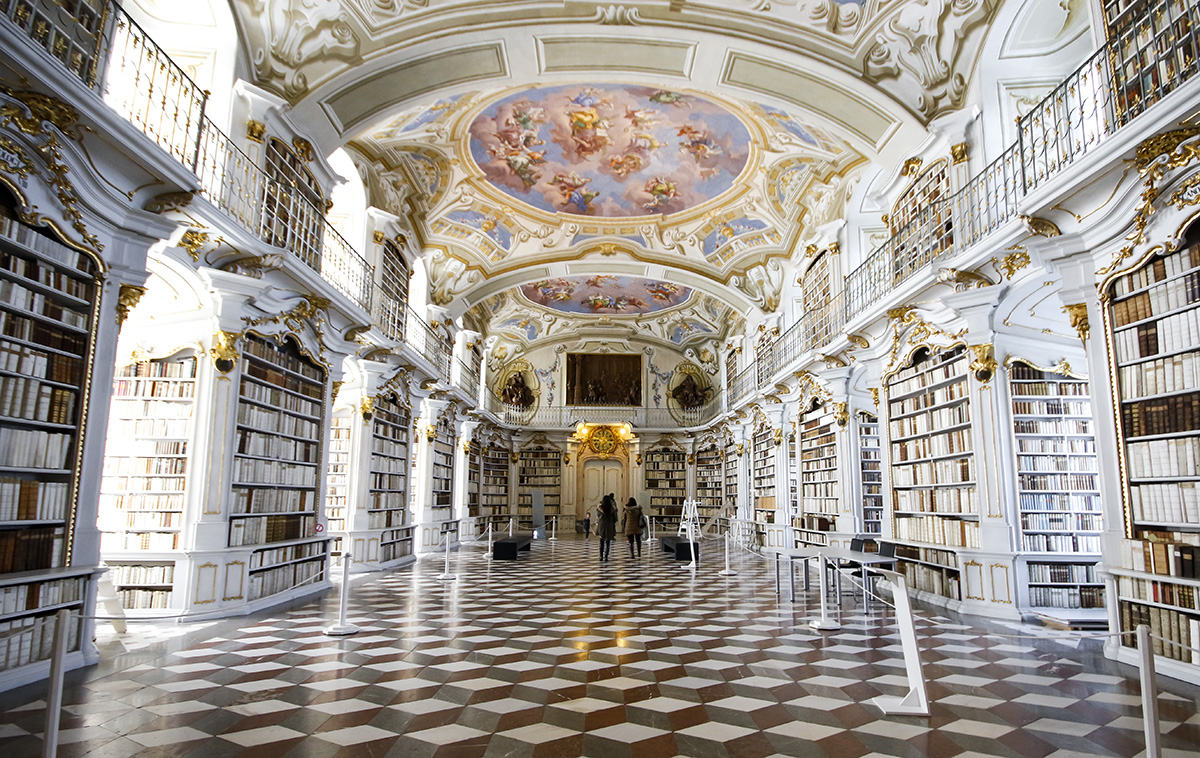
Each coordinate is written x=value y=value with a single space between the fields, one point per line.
x=367 y=408
x=430 y=432
x=127 y=299
x=960 y=153
x=1010 y=264
x=1163 y=144
x=1188 y=193
x=378 y=236
x=841 y=413
x=875 y=395
x=810 y=251
x=224 y=351
x=741 y=449
x=303 y=148
x=256 y=131
x=963 y=280
x=42 y=108
x=858 y=341
x=833 y=361
x=1041 y=227
x=192 y=241
x=984 y=362
x=777 y=436
x=1078 y=314
x=911 y=167
x=902 y=313
x=834 y=248
x=691 y=459
x=335 y=389
x=169 y=201
x=638 y=459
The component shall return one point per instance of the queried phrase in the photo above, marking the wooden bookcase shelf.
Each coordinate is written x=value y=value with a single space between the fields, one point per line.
x=493 y=500
x=539 y=468
x=871 y=463
x=666 y=484
x=1154 y=322
x=442 y=489
x=710 y=480
x=819 y=491
x=763 y=475
x=391 y=466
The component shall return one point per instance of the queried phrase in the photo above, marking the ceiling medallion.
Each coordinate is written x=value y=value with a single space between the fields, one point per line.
x=609 y=151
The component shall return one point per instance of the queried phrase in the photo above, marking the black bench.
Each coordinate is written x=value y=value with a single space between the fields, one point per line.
x=505 y=548
x=673 y=543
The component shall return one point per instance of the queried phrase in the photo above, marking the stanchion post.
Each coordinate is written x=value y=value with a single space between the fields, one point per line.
x=488 y=557
x=1149 y=693
x=510 y=525
x=553 y=528
x=916 y=702
x=446 y=575
x=342 y=628
x=58 y=669
x=825 y=622
x=728 y=571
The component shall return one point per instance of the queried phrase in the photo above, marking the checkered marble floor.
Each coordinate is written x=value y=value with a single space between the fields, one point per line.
x=559 y=655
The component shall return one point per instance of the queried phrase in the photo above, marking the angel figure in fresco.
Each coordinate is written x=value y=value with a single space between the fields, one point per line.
x=589 y=131
x=555 y=289
x=661 y=191
x=663 y=291
x=698 y=143
x=526 y=115
x=666 y=97
x=600 y=281
x=636 y=155
x=572 y=187
x=590 y=98
x=641 y=117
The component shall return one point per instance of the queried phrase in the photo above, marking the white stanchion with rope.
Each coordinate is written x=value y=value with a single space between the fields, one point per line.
x=727 y=571
x=342 y=628
x=553 y=529
x=826 y=622
x=446 y=575
x=511 y=521
x=488 y=555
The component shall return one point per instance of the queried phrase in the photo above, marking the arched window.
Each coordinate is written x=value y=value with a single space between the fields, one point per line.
x=293 y=206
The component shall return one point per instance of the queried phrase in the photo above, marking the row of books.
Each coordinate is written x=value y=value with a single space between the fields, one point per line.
x=18 y=598
x=271 y=353
x=934 y=398
x=387 y=519
x=1073 y=387
x=157 y=388
x=1052 y=427
x=277 y=398
x=392 y=448
x=41 y=333
x=155 y=429
x=1063 y=573
x=26 y=640
x=276 y=555
x=827 y=489
x=262 y=419
x=27 y=499
x=158 y=410
x=258 y=530
x=33 y=448
x=136 y=599
x=1161 y=269
x=264 y=375
x=386 y=465
x=1165 y=503
x=937 y=419
x=1160 y=376
x=1165 y=415
x=22 y=299
x=115 y=466
x=272 y=501
x=139 y=541
x=1160 y=458
x=1060 y=501
x=935 y=369
x=39 y=364
x=1066 y=597
x=938 y=531
x=33 y=270
x=254 y=471
x=1060 y=543
x=173 y=369
x=1073 y=446
x=1070 y=482
x=141 y=520
x=1052 y=407
x=276 y=580
x=931 y=580
x=1062 y=522
x=947 y=500
x=140 y=573
x=1171 y=334
x=25 y=398
x=391 y=482
x=1181 y=631
x=936 y=445
x=1162 y=298
x=946 y=558
x=1168 y=558
x=31 y=549
x=47 y=247
x=140 y=502
x=273 y=446
x=1083 y=464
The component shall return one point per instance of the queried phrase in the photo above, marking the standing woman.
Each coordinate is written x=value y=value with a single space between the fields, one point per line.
x=631 y=524
x=606 y=525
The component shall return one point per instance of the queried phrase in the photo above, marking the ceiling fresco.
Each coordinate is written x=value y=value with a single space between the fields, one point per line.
x=611 y=151
x=605 y=294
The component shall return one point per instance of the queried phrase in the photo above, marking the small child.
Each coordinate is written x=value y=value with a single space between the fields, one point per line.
x=587 y=525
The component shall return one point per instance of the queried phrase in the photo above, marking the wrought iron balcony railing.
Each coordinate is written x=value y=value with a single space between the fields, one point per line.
x=567 y=416
x=421 y=337
x=468 y=379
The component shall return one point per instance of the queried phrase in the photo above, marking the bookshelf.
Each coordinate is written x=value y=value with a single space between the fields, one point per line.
x=1146 y=51
x=539 y=468
x=337 y=480
x=276 y=466
x=762 y=446
x=48 y=298
x=932 y=466
x=1154 y=328
x=710 y=481
x=665 y=470
x=493 y=498
x=818 y=477
x=145 y=478
x=1057 y=492
x=732 y=462
x=442 y=487
x=387 y=507
x=870 y=462
x=474 y=471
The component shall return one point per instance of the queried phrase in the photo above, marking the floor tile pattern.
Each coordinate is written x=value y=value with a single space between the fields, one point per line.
x=558 y=655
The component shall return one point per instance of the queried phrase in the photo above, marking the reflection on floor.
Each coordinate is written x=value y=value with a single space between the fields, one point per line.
x=557 y=654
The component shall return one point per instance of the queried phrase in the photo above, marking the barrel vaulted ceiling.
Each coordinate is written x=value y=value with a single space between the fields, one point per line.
x=646 y=167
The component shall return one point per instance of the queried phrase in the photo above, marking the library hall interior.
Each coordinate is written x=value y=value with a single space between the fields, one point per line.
x=576 y=378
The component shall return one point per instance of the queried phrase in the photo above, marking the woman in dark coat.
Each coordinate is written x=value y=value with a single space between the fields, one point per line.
x=606 y=525
x=631 y=524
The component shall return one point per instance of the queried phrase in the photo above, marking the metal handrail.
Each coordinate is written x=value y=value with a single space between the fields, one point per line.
x=422 y=338
x=567 y=416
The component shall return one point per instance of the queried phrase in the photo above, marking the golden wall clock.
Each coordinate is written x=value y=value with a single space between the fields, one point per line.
x=602 y=440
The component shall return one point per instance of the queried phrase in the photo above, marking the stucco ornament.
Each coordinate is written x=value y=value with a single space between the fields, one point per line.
x=295 y=32
x=920 y=54
x=449 y=278
x=762 y=284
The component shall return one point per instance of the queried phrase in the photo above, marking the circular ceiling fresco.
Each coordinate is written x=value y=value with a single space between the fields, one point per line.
x=606 y=293
x=610 y=151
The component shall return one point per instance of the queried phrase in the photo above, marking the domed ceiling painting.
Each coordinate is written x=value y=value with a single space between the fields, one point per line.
x=605 y=294
x=611 y=151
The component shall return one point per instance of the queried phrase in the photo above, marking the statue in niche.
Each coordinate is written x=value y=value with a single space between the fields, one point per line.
x=689 y=394
x=516 y=392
